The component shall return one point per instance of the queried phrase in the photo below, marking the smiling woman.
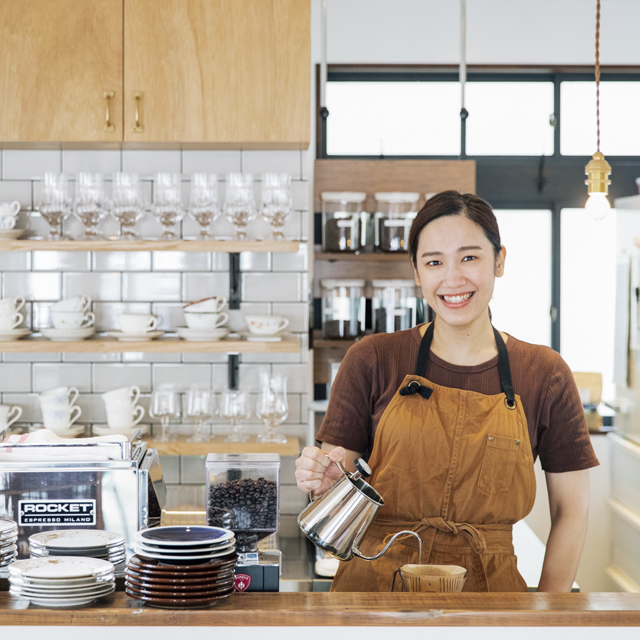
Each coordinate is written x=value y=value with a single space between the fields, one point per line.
x=455 y=464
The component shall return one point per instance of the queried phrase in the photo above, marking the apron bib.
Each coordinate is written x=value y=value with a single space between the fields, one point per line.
x=456 y=467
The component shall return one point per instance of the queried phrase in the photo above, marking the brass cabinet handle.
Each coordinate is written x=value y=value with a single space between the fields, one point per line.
x=108 y=125
x=138 y=127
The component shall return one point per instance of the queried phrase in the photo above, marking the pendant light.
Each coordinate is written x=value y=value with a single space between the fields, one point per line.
x=598 y=169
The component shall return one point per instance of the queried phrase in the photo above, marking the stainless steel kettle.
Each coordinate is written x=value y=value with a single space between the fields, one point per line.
x=337 y=520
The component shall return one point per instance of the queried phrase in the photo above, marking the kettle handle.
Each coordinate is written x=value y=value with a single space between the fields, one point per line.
x=312 y=494
x=356 y=552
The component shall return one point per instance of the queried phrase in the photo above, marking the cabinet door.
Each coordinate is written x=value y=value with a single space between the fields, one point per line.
x=58 y=58
x=233 y=72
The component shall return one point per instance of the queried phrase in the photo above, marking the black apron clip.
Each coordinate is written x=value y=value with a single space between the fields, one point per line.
x=415 y=387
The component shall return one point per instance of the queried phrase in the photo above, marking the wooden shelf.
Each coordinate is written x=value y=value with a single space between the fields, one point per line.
x=161 y=345
x=228 y=246
x=217 y=445
x=362 y=257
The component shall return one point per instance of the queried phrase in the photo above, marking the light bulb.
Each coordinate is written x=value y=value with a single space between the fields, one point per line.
x=597 y=206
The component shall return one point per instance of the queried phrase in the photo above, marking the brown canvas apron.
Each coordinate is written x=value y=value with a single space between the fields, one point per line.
x=456 y=467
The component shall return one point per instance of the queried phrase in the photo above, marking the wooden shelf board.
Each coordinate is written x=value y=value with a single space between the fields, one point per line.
x=217 y=445
x=161 y=345
x=362 y=257
x=229 y=246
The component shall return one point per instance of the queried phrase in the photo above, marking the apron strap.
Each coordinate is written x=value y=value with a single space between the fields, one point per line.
x=503 y=362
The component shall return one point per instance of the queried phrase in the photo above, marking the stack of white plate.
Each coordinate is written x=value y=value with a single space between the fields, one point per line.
x=8 y=539
x=190 y=544
x=63 y=581
x=89 y=543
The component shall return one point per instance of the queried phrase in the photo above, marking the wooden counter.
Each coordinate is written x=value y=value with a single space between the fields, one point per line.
x=353 y=609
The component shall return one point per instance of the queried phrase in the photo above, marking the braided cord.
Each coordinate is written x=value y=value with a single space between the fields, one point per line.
x=598 y=70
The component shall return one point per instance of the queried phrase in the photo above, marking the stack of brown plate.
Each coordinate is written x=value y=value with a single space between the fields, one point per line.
x=177 y=586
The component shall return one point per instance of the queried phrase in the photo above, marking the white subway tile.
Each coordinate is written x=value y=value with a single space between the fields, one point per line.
x=14 y=190
x=296 y=312
x=220 y=261
x=299 y=377
x=100 y=286
x=92 y=409
x=307 y=159
x=220 y=162
x=301 y=194
x=28 y=402
x=92 y=357
x=293 y=226
x=113 y=376
x=36 y=225
x=291 y=261
x=148 y=163
x=259 y=162
x=122 y=261
x=204 y=285
x=32 y=357
x=161 y=287
x=49 y=376
x=272 y=287
x=213 y=358
x=105 y=161
x=189 y=228
x=33 y=286
x=181 y=261
x=21 y=164
x=106 y=313
x=61 y=261
x=148 y=227
x=251 y=261
x=15 y=261
x=171 y=316
x=306 y=223
x=40 y=315
x=15 y=378
x=150 y=357
x=182 y=375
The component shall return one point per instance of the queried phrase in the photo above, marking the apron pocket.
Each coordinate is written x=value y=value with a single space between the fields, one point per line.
x=499 y=463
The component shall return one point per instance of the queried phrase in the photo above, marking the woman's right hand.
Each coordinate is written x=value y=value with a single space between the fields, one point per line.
x=317 y=470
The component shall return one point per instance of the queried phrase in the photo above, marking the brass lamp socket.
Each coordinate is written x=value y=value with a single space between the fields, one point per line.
x=598 y=171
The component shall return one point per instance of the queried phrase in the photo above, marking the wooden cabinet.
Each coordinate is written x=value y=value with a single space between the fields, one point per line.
x=58 y=58
x=214 y=73
x=234 y=72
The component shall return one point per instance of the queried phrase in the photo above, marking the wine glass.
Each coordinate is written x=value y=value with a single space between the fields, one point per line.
x=128 y=203
x=199 y=406
x=90 y=203
x=234 y=406
x=277 y=204
x=239 y=204
x=203 y=203
x=165 y=405
x=167 y=203
x=272 y=406
x=55 y=202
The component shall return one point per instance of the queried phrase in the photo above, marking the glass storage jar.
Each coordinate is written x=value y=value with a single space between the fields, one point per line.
x=392 y=221
x=394 y=305
x=344 y=224
x=343 y=309
x=243 y=494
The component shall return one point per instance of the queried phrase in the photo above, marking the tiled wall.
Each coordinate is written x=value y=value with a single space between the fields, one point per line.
x=158 y=282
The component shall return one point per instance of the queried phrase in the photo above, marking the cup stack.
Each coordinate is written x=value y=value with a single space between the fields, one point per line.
x=89 y=543
x=8 y=539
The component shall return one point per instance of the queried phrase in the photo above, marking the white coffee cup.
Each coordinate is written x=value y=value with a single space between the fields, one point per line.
x=205 y=320
x=9 y=209
x=58 y=410
x=8 y=415
x=76 y=303
x=11 y=304
x=71 y=319
x=213 y=304
x=122 y=411
x=137 y=322
x=266 y=325
x=9 y=320
x=7 y=222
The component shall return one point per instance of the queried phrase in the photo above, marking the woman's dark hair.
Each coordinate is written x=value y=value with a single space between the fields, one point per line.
x=452 y=203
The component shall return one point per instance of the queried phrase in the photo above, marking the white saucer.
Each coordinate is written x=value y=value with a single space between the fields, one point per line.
x=11 y=234
x=202 y=335
x=14 y=334
x=71 y=433
x=273 y=337
x=106 y=430
x=68 y=335
x=135 y=337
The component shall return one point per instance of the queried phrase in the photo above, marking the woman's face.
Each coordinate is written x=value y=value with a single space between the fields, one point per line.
x=456 y=269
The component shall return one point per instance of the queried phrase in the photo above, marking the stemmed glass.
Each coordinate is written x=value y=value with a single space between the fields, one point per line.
x=277 y=204
x=90 y=203
x=199 y=407
x=55 y=202
x=128 y=203
x=239 y=204
x=234 y=406
x=272 y=406
x=165 y=405
x=203 y=203
x=167 y=203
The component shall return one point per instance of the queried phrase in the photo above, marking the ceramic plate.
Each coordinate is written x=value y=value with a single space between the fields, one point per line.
x=180 y=536
x=60 y=567
x=179 y=585
x=8 y=549
x=14 y=334
x=72 y=432
x=68 y=335
x=7 y=527
x=182 y=595
x=195 y=548
x=135 y=337
x=69 y=593
x=75 y=538
x=202 y=557
x=185 y=551
x=54 y=585
x=11 y=234
x=62 y=602
x=202 y=335
x=144 y=575
x=156 y=566
x=106 y=430
x=167 y=603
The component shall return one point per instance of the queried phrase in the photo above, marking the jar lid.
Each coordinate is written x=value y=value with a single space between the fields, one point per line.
x=396 y=284
x=333 y=283
x=397 y=196
x=343 y=196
